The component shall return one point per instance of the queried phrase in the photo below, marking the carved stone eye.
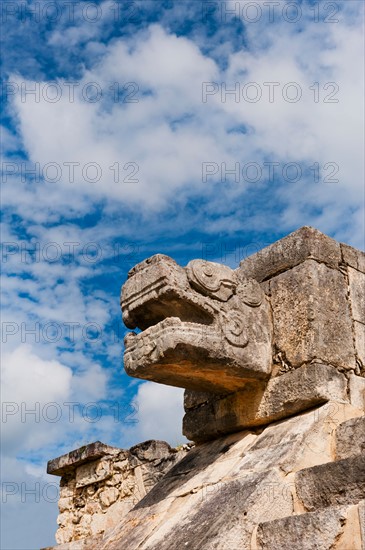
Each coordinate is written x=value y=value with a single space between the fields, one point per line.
x=207 y=270
x=250 y=292
x=207 y=276
x=234 y=328
x=212 y=279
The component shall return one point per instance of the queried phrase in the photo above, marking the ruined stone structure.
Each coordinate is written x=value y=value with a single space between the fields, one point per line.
x=272 y=359
x=100 y=484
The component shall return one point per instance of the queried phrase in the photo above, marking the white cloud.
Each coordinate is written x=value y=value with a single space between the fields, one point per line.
x=169 y=155
x=29 y=383
x=139 y=133
x=160 y=413
x=28 y=377
x=37 y=395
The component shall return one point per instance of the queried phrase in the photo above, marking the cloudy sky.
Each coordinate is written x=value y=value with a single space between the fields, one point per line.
x=194 y=129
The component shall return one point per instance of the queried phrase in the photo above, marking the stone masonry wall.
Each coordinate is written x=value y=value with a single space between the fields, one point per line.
x=100 y=484
x=316 y=290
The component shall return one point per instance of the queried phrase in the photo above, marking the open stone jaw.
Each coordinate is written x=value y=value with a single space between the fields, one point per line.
x=205 y=328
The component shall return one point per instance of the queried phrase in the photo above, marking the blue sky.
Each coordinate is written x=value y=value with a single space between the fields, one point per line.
x=194 y=129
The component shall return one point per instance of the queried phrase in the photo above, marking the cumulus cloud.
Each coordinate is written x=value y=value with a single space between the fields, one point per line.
x=37 y=401
x=159 y=140
x=152 y=158
x=160 y=412
x=28 y=384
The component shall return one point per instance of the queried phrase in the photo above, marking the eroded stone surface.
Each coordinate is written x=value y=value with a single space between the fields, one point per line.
x=96 y=493
x=350 y=438
x=216 y=495
x=284 y=396
x=353 y=257
x=227 y=513
x=59 y=466
x=208 y=328
x=340 y=482
x=359 y=329
x=254 y=348
x=303 y=244
x=312 y=316
x=193 y=399
x=362 y=522
x=315 y=530
x=93 y=472
x=356 y=386
x=357 y=294
x=335 y=528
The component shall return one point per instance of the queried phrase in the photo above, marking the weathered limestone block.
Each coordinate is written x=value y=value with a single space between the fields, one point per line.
x=193 y=399
x=109 y=496
x=312 y=316
x=89 y=543
x=320 y=530
x=152 y=450
x=216 y=331
x=357 y=299
x=357 y=294
x=303 y=244
x=350 y=438
x=353 y=257
x=359 y=329
x=159 y=279
x=86 y=474
x=220 y=491
x=356 y=388
x=340 y=482
x=298 y=442
x=64 y=504
x=362 y=522
x=215 y=497
x=283 y=396
x=93 y=451
x=226 y=514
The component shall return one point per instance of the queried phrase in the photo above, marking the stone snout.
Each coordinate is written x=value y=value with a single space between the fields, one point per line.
x=205 y=328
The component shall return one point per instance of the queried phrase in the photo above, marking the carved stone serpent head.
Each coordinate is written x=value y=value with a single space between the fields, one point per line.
x=204 y=327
